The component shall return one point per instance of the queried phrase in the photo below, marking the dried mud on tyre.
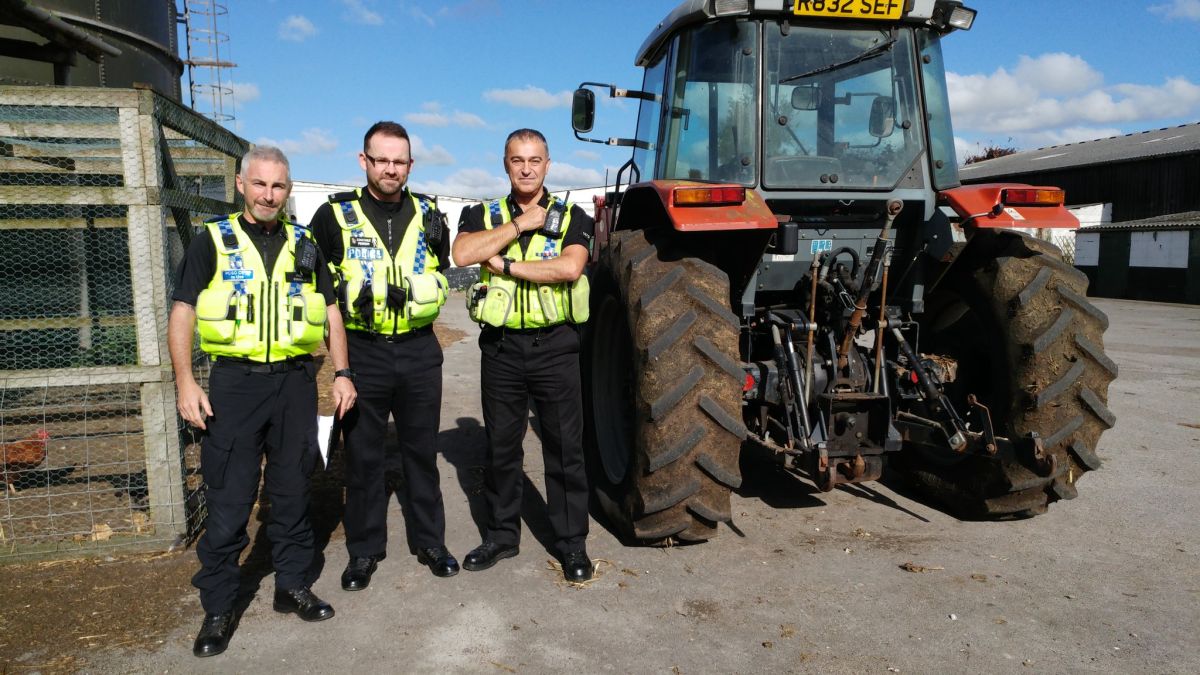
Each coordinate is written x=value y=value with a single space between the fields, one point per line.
x=1028 y=313
x=687 y=424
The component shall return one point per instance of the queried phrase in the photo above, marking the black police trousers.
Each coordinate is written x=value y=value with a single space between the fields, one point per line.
x=256 y=412
x=402 y=379
x=544 y=366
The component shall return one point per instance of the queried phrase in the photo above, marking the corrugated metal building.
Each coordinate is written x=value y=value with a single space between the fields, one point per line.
x=1150 y=259
x=1143 y=175
x=1138 y=200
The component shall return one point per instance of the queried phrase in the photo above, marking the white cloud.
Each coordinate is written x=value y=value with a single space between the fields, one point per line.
x=563 y=175
x=1059 y=98
x=359 y=13
x=529 y=97
x=244 y=92
x=471 y=183
x=311 y=142
x=1179 y=9
x=430 y=156
x=419 y=14
x=465 y=119
x=296 y=28
x=586 y=154
x=434 y=117
x=429 y=119
x=1057 y=73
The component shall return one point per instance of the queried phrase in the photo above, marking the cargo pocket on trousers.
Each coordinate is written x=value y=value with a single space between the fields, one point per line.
x=310 y=458
x=214 y=461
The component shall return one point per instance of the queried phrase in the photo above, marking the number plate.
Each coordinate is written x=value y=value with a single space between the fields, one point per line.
x=849 y=9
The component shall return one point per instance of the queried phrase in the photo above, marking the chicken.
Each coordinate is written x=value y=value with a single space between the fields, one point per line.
x=23 y=455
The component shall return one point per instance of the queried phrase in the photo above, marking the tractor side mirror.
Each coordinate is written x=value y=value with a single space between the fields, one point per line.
x=883 y=117
x=583 y=110
x=806 y=98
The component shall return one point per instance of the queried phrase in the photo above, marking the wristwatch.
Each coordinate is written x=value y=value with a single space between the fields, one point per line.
x=507 y=266
x=344 y=372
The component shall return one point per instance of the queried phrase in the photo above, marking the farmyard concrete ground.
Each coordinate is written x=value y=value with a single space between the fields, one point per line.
x=807 y=581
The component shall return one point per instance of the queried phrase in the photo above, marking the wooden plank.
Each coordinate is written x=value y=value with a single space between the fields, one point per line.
x=62 y=322
x=59 y=130
x=80 y=97
x=61 y=224
x=60 y=164
x=74 y=377
x=24 y=194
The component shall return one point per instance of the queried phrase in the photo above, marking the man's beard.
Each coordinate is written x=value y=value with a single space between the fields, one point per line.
x=378 y=188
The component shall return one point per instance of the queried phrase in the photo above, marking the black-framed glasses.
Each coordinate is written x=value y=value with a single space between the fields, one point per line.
x=376 y=161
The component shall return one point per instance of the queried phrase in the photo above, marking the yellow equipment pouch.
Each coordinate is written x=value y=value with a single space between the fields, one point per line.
x=549 y=306
x=306 y=318
x=426 y=294
x=496 y=304
x=579 y=300
x=214 y=307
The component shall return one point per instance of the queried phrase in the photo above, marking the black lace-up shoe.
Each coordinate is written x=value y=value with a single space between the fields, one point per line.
x=487 y=554
x=439 y=561
x=357 y=575
x=577 y=566
x=302 y=602
x=214 y=634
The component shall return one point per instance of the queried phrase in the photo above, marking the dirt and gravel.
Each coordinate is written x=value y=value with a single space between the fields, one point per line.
x=863 y=579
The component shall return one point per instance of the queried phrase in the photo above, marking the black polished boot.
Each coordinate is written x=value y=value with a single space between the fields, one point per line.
x=577 y=567
x=214 y=634
x=487 y=554
x=439 y=560
x=304 y=603
x=357 y=575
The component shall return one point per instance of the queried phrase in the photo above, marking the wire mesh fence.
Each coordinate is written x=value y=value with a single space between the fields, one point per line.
x=99 y=191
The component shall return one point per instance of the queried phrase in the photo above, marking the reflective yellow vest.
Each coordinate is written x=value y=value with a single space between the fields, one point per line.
x=367 y=264
x=503 y=301
x=246 y=313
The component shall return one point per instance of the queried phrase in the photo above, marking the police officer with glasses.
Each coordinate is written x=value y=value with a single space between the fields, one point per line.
x=388 y=247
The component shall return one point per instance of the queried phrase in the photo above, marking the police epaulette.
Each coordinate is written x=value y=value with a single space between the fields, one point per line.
x=347 y=196
x=424 y=198
x=216 y=219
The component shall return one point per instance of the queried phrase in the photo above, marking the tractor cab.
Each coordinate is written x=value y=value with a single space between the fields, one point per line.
x=816 y=96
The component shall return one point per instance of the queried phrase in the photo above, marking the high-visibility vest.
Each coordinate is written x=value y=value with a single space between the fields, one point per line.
x=508 y=302
x=245 y=312
x=368 y=266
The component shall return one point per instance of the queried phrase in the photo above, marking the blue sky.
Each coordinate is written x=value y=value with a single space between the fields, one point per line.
x=313 y=75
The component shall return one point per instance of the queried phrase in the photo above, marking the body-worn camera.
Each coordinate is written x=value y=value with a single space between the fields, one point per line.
x=555 y=215
x=306 y=256
x=435 y=225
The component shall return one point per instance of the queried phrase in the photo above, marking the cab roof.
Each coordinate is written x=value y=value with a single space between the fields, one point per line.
x=929 y=13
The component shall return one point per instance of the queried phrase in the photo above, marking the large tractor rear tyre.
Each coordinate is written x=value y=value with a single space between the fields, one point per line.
x=1030 y=346
x=662 y=391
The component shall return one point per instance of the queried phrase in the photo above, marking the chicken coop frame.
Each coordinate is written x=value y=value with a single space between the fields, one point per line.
x=100 y=191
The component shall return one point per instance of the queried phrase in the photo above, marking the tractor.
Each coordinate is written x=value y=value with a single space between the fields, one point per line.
x=788 y=265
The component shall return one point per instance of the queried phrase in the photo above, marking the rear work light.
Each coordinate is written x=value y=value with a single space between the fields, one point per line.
x=1032 y=197
x=709 y=196
x=727 y=7
x=962 y=18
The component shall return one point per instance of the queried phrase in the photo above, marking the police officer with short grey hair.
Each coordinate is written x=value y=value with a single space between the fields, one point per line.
x=257 y=290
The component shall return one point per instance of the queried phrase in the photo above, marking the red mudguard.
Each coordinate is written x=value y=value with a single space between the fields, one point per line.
x=981 y=206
